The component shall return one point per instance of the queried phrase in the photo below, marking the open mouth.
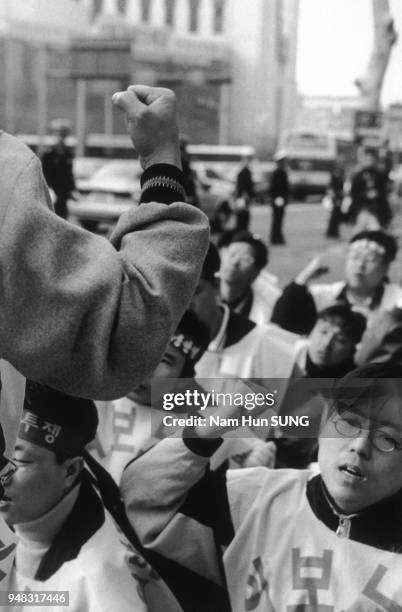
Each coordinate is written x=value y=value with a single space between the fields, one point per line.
x=352 y=472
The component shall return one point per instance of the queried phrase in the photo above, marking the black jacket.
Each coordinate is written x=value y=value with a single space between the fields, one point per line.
x=57 y=165
x=279 y=184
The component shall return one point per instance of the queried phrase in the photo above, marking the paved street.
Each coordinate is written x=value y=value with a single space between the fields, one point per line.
x=304 y=230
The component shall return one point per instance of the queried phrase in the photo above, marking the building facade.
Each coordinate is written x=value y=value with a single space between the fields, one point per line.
x=232 y=63
x=29 y=31
x=260 y=43
x=263 y=39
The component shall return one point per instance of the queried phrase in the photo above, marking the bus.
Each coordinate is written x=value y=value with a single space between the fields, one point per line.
x=220 y=153
x=311 y=156
x=220 y=162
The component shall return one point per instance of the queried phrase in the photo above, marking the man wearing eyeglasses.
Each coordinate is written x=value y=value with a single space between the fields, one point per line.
x=292 y=541
x=366 y=286
x=359 y=455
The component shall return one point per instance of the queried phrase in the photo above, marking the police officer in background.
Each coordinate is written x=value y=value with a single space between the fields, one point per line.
x=335 y=192
x=369 y=191
x=245 y=183
x=57 y=164
x=245 y=193
x=279 y=192
x=189 y=175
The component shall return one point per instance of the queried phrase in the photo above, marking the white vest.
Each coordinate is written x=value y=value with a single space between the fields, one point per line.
x=283 y=559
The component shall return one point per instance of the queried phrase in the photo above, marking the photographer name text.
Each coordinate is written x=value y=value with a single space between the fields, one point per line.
x=244 y=420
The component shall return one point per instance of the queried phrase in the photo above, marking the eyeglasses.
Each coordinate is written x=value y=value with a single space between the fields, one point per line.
x=365 y=257
x=349 y=427
x=7 y=471
x=244 y=258
x=368 y=250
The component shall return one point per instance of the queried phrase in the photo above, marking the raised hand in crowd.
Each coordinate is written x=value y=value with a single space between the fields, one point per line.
x=314 y=269
x=151 y=123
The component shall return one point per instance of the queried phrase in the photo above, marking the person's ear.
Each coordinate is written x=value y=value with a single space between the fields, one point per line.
x=73 y=468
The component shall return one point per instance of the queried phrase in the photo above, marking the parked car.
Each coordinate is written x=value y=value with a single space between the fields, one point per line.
x=85 y=167
x=110 y=191
x=222 y=176
x=212 y=188
x=213 y=176
x=115 y=187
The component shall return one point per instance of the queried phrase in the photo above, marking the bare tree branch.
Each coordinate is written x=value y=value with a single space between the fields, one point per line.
x=385 y=36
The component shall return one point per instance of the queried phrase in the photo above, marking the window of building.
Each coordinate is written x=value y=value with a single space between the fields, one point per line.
x=122 y=6
x=145 y=10
x=96 y=8
x=194 y=15
x=169 y=12
x=218 y=15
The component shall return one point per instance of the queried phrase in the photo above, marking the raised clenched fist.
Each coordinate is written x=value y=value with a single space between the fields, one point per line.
x=150 y=114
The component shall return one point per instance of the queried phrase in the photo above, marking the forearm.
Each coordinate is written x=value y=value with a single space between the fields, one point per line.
x=80 y=315
x=165 y=492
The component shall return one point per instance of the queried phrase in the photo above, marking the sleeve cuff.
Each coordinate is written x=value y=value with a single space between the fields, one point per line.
x=204 y=447
x=162 y=183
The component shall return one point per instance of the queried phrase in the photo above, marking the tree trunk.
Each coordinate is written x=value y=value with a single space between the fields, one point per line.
x=385 y=37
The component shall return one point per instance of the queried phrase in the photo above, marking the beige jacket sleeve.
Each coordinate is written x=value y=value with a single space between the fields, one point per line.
x=85 y=315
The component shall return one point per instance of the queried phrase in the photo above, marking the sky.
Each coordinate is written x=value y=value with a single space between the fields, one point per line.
x=335 y=38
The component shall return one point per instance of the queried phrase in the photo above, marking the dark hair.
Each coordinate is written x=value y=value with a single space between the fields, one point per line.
x=242 y=220
x=387 y=241
x=61 y=457
x=258 y=246
x=224 y=207
x=191 y=325
x=211 y=265
x=366 y=382
x=352 y=323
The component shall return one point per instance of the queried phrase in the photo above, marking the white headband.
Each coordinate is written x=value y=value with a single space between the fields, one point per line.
x=367 y=246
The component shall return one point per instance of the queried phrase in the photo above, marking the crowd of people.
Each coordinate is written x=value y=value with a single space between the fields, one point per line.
x=106 y=500
x=357 y=194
